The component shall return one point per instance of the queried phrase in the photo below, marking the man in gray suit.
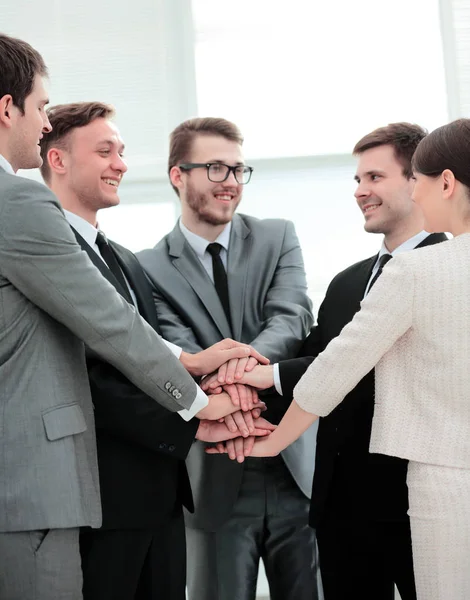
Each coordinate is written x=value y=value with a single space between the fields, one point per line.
x=52 y=300
x=219 y=274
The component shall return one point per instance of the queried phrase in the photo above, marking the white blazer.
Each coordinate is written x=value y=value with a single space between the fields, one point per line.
x=415 y=327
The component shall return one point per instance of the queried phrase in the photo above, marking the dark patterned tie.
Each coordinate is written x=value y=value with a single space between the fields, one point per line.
x=110 y=259
x=382 y=262
x=220 y=277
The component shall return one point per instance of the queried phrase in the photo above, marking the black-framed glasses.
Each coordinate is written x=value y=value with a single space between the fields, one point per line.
x=219 y=172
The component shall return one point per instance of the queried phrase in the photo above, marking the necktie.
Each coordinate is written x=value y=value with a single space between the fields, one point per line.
x=382 y=262
x=220 y=277
x=110 y=259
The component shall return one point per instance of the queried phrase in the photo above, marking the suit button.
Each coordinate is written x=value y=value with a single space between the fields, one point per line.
x=175 y=393
x=178 y=395
x=162 y=446
x=168 y=385
x=171 y=448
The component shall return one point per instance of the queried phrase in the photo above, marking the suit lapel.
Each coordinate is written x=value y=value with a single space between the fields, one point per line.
x=237 y=270
x=99 y=264
x=139 y=283
x=185 y=260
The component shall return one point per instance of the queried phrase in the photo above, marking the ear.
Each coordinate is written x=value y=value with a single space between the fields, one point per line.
x=57 y=162
x=448 y=183
x=175 y=177
x=6 y=110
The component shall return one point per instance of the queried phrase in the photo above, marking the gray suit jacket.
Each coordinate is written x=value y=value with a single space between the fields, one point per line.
x=269 y=309
x=52 y=299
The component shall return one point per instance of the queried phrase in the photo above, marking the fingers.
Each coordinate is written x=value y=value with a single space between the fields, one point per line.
x=261 y=423
x=240 y=367
x=210 y=382
x=244 y=422
x=230 y=370
x=222 y=373
x=250 y=364
x=231 y=423
x=234 y=392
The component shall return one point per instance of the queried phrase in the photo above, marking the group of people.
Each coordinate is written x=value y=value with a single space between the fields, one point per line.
x=115 y=484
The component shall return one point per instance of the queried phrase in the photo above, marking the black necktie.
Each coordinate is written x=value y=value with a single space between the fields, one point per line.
x=383 y=260
x=220 y=277
x=110 y=259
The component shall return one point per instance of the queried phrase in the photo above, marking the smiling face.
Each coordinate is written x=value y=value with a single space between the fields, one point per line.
x=94 y=164
x=28 y=129
x=384 y=196
x=202 y=200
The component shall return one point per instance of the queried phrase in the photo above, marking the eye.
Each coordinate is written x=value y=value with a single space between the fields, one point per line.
x=216 y=168
x=104 y=151
x=375 y=177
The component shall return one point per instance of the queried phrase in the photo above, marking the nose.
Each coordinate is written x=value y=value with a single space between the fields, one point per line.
x=119 y=164
x=231 y=180
x=362 y=191
x=47 y=127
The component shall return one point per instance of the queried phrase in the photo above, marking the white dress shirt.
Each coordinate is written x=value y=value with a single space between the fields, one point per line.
x=89 y=233
x=199 y=245
x=408 y=245
x=6 y=165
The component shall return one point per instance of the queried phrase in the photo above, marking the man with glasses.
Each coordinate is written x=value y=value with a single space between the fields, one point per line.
x=218 y=274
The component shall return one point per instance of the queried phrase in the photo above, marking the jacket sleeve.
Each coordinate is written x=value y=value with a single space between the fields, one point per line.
x=385 y=315
x=40 y=257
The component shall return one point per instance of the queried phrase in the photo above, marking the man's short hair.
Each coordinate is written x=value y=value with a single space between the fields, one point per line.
x=19 y=65
x=181 y=138
x=403 y=137
x=64 y=118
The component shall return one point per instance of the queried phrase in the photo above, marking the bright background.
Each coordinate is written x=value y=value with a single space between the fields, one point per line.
x=303 y=79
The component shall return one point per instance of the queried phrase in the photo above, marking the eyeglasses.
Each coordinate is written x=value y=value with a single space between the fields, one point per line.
x=219 y=172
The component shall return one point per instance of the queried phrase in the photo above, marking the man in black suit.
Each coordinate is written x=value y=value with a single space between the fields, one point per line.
x=360 y=500
x=140 y=550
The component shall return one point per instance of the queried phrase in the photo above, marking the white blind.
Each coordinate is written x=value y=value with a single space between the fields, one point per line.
x=309 y=78
x=135 y=55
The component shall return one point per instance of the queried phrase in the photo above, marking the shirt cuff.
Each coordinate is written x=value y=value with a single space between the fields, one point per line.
x=173 y=348
x=277 y=379
x=200 y=402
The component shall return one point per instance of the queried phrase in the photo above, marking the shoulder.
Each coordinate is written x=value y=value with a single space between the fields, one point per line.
x=14 y=185
x=354 y=270
x=255 y=224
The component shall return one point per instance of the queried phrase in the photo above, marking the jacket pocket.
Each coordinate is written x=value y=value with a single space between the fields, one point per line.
x=62 y=421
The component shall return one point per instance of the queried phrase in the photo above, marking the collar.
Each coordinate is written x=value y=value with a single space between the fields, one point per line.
x=6 y=165
x=408 y=245
x=87 y=231
x=199 y=244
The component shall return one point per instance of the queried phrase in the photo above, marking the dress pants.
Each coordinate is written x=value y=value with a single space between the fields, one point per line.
x=269 y=521
x=365 y=559
x=440 y=529
x=133 y=564
x=40 y=565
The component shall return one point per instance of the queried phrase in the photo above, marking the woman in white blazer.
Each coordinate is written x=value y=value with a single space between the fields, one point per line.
x=414 y=327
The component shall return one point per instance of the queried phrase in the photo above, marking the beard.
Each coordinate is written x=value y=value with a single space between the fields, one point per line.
x=199 y=203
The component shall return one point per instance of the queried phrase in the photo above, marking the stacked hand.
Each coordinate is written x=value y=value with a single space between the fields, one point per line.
x=234 y=408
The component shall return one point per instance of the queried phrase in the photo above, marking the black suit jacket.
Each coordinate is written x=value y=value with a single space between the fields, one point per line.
x=141 y=445
x=349 y=482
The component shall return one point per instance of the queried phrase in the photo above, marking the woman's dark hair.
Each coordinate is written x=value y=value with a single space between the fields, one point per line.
x=447 y=147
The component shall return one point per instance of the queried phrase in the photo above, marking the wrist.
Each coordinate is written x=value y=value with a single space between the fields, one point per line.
x=189 y=362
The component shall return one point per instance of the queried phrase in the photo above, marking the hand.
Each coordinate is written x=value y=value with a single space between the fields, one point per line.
x=234 y=369
x=221 y=405
x=212 y=431
x=214 y=381
x=237 y=449
x=244 y=421
x=261 y=377
x=242 y=396
x=211 y=359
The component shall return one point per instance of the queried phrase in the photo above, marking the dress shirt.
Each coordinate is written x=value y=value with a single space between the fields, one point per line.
x=410 y=244
x=6 y=165
x=199 y=245
x=89 y=233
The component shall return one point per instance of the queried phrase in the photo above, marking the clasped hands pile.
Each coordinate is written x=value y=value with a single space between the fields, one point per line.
x=232 y=420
